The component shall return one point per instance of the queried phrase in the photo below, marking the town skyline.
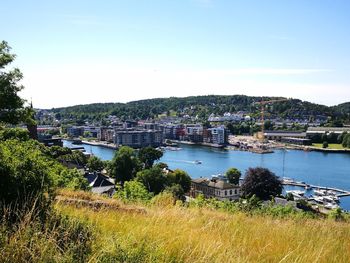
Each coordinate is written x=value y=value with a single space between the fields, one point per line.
x=119 y=51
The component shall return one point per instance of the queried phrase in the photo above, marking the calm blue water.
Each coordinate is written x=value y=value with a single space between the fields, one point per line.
x=325 y=169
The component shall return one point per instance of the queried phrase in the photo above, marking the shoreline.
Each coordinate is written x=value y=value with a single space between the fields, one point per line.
x=95 y=143
x=230 y=147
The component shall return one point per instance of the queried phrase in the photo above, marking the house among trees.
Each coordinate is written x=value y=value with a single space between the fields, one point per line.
x=100 y=184
x=216 y=187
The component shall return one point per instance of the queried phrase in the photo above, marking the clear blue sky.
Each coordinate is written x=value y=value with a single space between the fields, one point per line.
x=83 y=51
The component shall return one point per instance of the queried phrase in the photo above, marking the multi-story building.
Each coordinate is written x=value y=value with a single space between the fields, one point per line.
x=194 y=132
x=75 y=131
x=106 y=134
x=217 y=187
x=218 y=135
x=138 y=138
x=101 y=135
x=92 y=130
x=173 y=131
x=110 y=135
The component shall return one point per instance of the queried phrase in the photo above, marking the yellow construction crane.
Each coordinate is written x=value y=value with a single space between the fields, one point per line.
x=263 y=103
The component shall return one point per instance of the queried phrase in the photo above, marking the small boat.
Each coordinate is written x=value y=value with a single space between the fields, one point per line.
x=296 y=192
x=318 y=199
x=331 y=206
x=320 y=192
x=198 y=162
x=329 y=198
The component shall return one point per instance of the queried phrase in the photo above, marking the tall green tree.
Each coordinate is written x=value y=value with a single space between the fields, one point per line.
x=262 y=183
x=11 y=105
x=95 y=164
x=124 y=165
x=153 y=179
x=180 y=177
x=149 y=155
x=233 y=175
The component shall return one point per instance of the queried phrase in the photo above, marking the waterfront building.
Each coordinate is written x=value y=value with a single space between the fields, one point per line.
x=207 y=136
x=92 y=130
x=75 y=131
x=169 y=131
x=218 y=135
x=194 y=132
x=105 y=134
x=101 y=135
x=138 y=138
x=217 y=187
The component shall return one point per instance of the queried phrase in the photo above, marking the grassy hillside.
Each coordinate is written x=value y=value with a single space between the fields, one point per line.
x=167 y=233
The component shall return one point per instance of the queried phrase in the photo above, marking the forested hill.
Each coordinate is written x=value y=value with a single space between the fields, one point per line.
x=201 y=106
x=343 y=108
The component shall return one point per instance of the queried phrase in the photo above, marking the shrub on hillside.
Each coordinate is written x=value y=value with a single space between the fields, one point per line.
x=262 y=183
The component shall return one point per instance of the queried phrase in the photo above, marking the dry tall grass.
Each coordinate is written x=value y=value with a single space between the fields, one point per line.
x=178 y=234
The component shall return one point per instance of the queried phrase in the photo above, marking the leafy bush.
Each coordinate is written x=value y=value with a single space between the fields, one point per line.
x=26 y=177
x=261 y=182
x=133 y=191
x=95 y=164
x=13 y=133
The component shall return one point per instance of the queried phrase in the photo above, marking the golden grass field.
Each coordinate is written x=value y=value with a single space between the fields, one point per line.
x=167 y=233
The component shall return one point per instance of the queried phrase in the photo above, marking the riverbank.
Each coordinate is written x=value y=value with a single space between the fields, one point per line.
x=214 y=145
x=314 y=148
x=101 y=144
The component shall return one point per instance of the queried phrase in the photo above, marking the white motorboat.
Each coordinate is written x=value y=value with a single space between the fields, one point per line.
x=331 y=198
x=295 y=192
x=331 y=206
x=320 y=192
x=318 y=199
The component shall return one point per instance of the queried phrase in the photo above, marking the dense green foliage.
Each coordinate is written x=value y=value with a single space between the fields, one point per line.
x=180 y=178
x=124 y=165
x=11 y=105
x=346 y=140
x=134 y=191
x=14 y=133
x=26 y=175
x=233 y=175
x=149 y=155
x=343 y=109
x=154 y=179
x=201 y=106
x=30 y=172
x=95 y=164
x=262 y=183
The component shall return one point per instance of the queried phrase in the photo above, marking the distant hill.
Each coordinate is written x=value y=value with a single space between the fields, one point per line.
x=343 y=108
x=201 y=106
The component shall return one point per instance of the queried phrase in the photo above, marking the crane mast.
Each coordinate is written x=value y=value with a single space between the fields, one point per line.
x=263 y=103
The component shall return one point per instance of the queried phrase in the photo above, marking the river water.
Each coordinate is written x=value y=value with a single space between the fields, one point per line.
x=317 y=168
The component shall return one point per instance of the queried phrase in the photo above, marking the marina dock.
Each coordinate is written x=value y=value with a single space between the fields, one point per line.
x=341 y=192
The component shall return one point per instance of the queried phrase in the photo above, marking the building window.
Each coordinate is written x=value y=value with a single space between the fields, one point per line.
x=230 y=192
x=235 y=191
x=225 y=192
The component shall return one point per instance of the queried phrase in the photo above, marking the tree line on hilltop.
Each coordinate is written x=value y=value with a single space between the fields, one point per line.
x=201 y=107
